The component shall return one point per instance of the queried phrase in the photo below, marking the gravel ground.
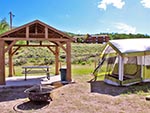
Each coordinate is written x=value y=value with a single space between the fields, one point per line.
x=79 y=97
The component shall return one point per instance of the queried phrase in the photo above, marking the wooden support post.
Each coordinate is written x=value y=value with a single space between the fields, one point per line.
x=10 y=63
x=2 y=62
x=36 y=30
x=59 y=44
x=51 y=50
x=68 y=61
x=57 y=60
x=27 y=32
x=15 y=50
x=10 y=46
x=46 y=32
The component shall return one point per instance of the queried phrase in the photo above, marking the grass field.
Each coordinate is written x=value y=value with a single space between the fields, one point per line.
x=82 y=96
x=77 y=69
x=83 y=58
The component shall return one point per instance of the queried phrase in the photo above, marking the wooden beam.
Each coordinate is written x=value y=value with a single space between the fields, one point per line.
x=27 y=32
x=46 y=32
x=59 y=44
x=35 y=45
x=10 y=46
x=15 y=50
x=68 y=61
x=34 y=39
x=37 y=34
x=51 y=50
x=36 y=31
x=10 y=63
x=57 y=61
x=2 y=62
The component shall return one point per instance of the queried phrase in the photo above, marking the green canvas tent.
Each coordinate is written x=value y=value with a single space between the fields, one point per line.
x=125 y=62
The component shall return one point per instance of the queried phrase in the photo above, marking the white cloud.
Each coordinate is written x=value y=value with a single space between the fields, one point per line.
x=124 y=28
x=79 y=32
x=116 y=3
x=145 y=3
x=107 y=29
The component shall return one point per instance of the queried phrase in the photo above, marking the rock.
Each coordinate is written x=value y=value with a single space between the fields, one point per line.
x=147 y=97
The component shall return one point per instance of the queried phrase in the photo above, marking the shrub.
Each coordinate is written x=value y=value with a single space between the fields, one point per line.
x=18 y=62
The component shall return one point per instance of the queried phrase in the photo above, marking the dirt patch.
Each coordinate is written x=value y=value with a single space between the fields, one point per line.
x=80 y=97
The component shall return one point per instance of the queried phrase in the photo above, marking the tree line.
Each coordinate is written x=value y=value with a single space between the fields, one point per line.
x=80 y=38
x=4 y=26
x=127 y=36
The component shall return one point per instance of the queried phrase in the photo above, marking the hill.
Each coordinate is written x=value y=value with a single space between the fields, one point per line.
x=81 y=53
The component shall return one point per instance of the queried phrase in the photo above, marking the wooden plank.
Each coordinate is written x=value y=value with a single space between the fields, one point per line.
x=51 y=50
x=36 y=31
x=55 y=30
x=10 y=63
x=46 y=32
x=10 y=46
x=58 y=43
x=35 y=45
x=27 y=32
x=34 y=71
x=15 y=50
x=57 y=60
x=18 y=28
x=35 y=67
x=41 y=23
x=34 y=39
x=68 y=61
x=2 y=63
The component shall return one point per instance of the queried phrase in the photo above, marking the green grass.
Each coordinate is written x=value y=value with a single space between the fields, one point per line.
x=82 y=73
x=77 y=69
x=83 y=56
x=139 y=89
x=17 y=72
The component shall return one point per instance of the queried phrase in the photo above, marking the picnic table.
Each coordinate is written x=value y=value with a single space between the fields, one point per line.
x=36 y=69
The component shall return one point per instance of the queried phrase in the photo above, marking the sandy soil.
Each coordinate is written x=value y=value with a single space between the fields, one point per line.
x=79 y=97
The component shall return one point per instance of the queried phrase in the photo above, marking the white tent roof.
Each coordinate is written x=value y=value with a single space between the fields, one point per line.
x=131 y=45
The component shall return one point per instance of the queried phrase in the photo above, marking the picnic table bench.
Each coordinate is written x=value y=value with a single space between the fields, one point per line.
x=36 y=69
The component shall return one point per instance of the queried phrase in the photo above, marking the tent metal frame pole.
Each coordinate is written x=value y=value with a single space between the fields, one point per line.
x=121 y=68
x=142 y=65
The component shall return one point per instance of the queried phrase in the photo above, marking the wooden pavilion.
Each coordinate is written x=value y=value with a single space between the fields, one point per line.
x=34 y=31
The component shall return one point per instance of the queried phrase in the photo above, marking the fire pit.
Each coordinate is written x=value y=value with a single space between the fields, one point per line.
x=39 y=93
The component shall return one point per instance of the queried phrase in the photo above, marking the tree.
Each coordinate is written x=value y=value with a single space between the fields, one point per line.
x=4 y=26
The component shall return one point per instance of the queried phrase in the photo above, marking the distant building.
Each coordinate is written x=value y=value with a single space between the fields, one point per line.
x=79 y=39
x=97 y=39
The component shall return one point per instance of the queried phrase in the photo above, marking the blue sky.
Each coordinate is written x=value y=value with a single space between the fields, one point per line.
x=82 y=16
